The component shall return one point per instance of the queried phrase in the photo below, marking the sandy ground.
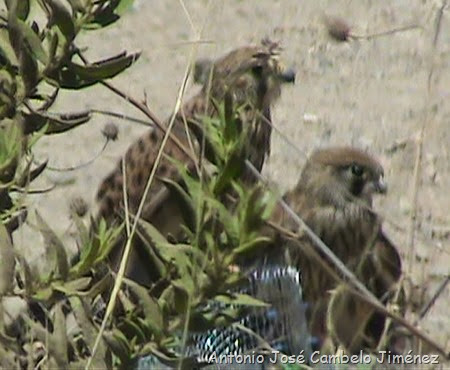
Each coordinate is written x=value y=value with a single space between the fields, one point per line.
x=368 y=93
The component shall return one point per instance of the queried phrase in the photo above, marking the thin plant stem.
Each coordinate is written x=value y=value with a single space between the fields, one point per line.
x=127 y=249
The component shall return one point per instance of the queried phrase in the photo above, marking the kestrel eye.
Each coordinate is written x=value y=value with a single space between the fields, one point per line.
x=357 y=170
x=257 y=70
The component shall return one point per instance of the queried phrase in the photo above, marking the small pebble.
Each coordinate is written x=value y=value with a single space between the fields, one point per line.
x=310 y=118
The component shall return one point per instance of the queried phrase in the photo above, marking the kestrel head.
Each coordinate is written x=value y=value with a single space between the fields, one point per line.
x=252 y=74
x=343 y=174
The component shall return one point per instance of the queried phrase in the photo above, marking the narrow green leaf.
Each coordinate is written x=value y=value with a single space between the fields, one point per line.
x=108 y=237
x=10 y=148
x=194 y=187
x=56 y=124
x=76 y=76
x=241 y=299
x=52 y=48
x=7 y=54
x=185 y=203
x=59 y=343
x=44 y=294
x=152 y=311
x=84 y=316
x=254 y=210
x=230 y=172
x=172 y=362
x=27 y=275
x=7 y=262
x=72 y=287
x=8 y=169
x=118 y=344
x=87 y=258
x=123 y=6
x=22 y=10
x=131 y=327
x=227 y=219
x=107 y=15
x=183 y=255
x=32 y=41
x=252 y=245
x=53 y=242
x=62 y=18
x=181 y=295
x=17 y=218
x=233 y=128
x=29 y=176
x=27 y=48
x=210 y=138
x=35 y=172
x=97 y=249
x=98 y=288
x=106 y=68
x=269 y=201
x=156 y=237
x=29 y=72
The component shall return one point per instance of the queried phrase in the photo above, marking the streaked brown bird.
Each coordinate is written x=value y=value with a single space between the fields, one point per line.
x=334 y=197
x=351 y=321
x=251 y=77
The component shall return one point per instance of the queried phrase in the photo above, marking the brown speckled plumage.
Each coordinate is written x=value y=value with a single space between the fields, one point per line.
x=334 y=197
x=252 y=77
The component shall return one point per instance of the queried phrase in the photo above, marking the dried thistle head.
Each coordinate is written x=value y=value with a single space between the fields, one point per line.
x=78 y=206
x=110 y=131
x=337 y=28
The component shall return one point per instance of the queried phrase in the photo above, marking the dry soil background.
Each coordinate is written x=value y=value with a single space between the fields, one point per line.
x=369 y=93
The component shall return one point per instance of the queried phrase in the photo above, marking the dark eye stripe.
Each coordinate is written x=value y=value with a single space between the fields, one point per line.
x=357 y=170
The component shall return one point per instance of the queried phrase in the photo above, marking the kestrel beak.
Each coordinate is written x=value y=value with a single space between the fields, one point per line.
x=381 y=185
x=288 y=75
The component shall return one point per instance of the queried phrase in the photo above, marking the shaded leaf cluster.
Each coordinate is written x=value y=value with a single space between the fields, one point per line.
x=37 y=59
x=223 y=218
x=197 y=272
